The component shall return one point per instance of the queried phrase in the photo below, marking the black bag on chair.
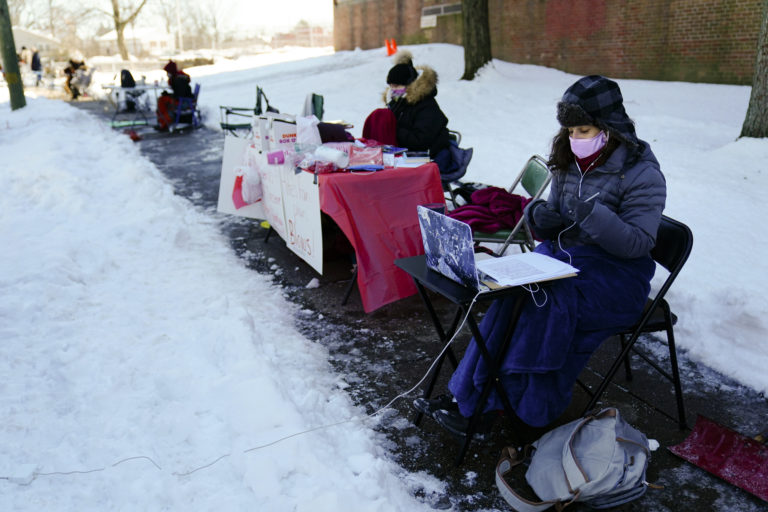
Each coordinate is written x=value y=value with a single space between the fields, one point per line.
x=466 y=189
x=126 y=79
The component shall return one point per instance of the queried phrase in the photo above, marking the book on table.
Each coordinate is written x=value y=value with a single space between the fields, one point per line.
x=522 y=268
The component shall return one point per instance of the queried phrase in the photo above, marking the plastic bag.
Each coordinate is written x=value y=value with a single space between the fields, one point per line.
x=324 y=167
x=247 y=176
x=328 y=154
x=252 y=190
x=365 y=156
x=307 y=134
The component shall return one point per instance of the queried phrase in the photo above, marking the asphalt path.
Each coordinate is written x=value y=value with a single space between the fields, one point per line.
x=385 y=353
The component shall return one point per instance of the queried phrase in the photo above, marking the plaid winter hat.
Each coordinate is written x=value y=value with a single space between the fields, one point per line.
x=596 y=100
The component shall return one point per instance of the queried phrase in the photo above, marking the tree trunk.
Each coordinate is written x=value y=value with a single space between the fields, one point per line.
x=476 y=36
x=119 y=28
x=121 y=23
x=10 y=62
x=50 y=18
x=121 y=42
x=756 y=121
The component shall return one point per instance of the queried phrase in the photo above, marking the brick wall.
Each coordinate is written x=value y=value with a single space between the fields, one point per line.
x=689 y=40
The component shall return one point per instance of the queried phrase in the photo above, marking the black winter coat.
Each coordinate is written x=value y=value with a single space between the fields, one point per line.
x=421 y=125
x=36 y=65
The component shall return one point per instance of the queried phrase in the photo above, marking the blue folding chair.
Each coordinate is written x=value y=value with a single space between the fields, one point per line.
x=187 y=113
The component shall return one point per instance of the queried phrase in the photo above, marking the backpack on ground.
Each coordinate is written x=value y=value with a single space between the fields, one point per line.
x=599 y=460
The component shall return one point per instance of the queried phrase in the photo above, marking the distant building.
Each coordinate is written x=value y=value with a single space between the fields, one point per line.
x=711 y=41
x=303 y=35
x=46 y=45
x=138 y=41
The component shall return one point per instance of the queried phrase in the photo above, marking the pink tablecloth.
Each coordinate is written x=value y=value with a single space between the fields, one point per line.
x=377 y=213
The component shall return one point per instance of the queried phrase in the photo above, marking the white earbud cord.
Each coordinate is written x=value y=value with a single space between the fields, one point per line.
x=359 y=417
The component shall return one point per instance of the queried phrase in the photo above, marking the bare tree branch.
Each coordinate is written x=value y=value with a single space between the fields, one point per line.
x=121 y=23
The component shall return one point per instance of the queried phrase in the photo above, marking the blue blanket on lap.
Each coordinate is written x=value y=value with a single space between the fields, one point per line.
x=553 y=341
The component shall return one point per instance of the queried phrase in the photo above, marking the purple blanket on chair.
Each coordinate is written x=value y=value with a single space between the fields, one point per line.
x=491 y=209
x=554 y=339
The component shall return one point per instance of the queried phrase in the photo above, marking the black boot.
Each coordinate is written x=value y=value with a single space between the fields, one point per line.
x=429 y=405
x=456 y=424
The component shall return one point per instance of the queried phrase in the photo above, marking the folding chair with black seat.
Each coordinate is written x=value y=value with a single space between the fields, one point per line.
x=673 y=246
x=534 y=179
x=187 y=112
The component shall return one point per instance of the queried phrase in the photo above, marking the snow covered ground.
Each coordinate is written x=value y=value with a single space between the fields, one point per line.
x=144 y=367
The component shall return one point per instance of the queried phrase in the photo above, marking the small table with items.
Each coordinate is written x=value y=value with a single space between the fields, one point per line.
x=464 y=298
x=375 y=210
x=132 y=104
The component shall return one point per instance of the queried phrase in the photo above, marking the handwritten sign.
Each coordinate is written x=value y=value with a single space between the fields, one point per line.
x=290 y=200
x=301 y=200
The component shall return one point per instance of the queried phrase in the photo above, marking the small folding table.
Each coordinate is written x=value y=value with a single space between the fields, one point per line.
x=463 y=297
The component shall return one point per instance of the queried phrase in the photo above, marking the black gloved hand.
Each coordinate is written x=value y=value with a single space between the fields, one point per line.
x=546 y=217
x=579 y=209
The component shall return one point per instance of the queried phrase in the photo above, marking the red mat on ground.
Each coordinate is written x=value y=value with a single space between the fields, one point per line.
x=735 y=458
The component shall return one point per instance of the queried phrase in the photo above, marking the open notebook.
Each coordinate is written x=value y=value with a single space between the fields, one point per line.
x=449 y=249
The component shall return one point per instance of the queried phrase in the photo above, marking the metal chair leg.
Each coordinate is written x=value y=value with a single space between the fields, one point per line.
x=352 y=283
x=494 y=366
x=627 y=366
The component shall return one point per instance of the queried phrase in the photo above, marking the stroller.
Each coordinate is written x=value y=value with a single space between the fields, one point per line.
x=79 y=80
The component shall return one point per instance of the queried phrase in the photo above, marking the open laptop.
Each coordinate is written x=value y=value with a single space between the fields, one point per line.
x=449 y=250
x=449 y=247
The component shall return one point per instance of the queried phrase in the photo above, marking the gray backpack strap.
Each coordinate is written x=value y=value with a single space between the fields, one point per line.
x=574 y=473
x=509 y=459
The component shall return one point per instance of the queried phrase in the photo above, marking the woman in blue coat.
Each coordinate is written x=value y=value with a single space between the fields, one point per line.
x=602 y=215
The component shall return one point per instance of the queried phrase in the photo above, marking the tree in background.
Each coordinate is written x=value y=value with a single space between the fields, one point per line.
x=122 y=16
x=46 y=16
x=476 y=36
x=756 y=121
x=18 y=12
x=212 y=10
x=167 y=11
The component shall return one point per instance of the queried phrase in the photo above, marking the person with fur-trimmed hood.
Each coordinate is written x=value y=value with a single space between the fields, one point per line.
x=421 y=125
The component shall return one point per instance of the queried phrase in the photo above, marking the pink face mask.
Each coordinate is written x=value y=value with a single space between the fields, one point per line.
x=398 y=93
x=583 y=148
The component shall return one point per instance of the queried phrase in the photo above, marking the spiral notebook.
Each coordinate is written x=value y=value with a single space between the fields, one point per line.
x=449 y=250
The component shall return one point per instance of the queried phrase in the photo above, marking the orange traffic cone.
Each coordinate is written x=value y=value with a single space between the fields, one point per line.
x=394 y=46
x=390 y=51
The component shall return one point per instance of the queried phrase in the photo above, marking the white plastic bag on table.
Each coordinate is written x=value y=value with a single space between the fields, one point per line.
x=328 y=154
x=307 y=133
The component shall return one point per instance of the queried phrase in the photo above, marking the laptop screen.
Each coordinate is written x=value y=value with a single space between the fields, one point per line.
x=448 y=246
